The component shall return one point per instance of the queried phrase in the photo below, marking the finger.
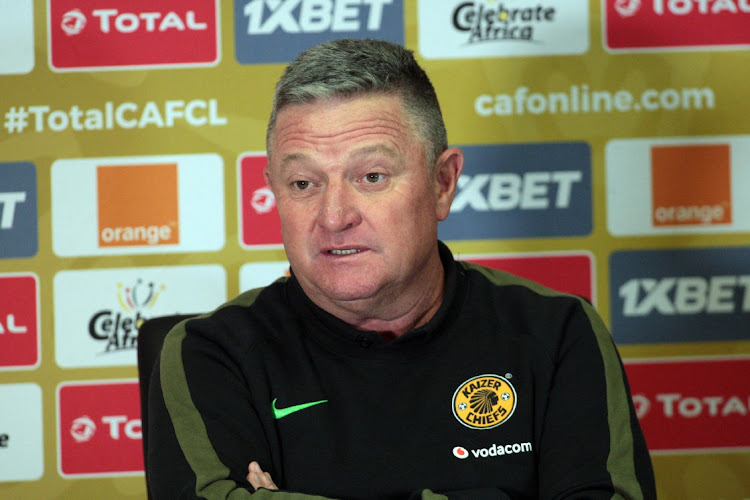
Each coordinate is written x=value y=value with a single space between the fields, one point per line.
x=259 y=479
x=253 y=475
x=268 y=482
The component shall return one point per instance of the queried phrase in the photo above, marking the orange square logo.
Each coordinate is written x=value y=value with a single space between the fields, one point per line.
x=138 y=205
x=691 y=185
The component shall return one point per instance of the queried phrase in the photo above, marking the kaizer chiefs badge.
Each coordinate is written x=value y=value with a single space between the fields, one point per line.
x=484 y=401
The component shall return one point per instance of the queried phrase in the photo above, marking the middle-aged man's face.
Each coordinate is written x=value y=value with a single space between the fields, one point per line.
x=358 y=205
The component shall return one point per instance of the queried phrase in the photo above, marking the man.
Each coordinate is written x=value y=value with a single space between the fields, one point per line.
x=382 y=368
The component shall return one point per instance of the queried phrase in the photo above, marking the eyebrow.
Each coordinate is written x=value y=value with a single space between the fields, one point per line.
x=364 y=151
x=290 y=158
x=377 y=148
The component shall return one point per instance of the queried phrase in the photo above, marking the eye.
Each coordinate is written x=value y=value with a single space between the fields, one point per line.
x=373 y=177
x=301 y=185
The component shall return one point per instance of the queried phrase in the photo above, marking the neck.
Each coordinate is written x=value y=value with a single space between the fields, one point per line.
x=412 y=316
x=392 y=313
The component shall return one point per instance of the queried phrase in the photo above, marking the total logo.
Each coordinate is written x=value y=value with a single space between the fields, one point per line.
x=19 y=321
x=263 y=28
x=119 y=329
x=99 y=428
x=262 y=200
x=692 y=404
x=73 y=22
x=83 y=428
x=627 y=8
x=522 y=190
x=673 y=405
x=111 y=20
x=103 y=35
x=682 y=295
x=260 y=226
x=495 y=450
x=681 y=24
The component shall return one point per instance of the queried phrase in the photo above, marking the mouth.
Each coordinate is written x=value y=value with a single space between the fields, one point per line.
x=344 y=251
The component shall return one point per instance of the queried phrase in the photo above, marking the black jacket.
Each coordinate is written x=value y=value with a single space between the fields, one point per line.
x=510 y=391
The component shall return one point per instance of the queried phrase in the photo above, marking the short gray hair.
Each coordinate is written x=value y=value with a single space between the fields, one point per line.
x=350 y=68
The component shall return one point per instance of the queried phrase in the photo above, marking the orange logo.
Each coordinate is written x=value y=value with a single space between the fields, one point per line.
x=691 y=185
x=138 y=205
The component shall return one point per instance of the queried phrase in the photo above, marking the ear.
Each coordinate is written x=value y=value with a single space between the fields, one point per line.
x=267 y=176
x=447 y=169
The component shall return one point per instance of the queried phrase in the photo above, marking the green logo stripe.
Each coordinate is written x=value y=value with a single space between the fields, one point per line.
x=283 y=412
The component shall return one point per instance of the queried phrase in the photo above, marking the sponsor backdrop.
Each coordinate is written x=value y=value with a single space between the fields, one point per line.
x=608 y=155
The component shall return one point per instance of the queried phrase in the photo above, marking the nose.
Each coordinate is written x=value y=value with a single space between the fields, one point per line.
x=338 y=209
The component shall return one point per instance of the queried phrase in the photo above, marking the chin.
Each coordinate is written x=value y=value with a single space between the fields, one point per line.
x=348 y=291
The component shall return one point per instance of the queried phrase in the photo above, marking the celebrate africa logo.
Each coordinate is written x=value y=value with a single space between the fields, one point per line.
x=484 y=401
x=139 y=296
x=120 y=329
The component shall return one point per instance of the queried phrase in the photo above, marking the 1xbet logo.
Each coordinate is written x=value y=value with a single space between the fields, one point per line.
x=682 y=295
x=105 y=34
x=274 y=31
x=522 y=191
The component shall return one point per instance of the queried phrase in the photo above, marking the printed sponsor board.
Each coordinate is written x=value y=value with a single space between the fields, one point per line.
x=97 y=312
x=16 y=36
x=138 y=205
x=260 y=274
x=678 y=185
x=111 y=115
x=260 y=226
x=681 y=295
x=21 y=433
x=522 y=191
x=276 y=31
x=487 y=28
x=99 y=428
x=692 y=405
x=568 y=272
x=631 y=25
x=18 y=210
x=20 y=335
x=100 y=35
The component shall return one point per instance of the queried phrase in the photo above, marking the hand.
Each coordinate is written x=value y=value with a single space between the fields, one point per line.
x=258 y=478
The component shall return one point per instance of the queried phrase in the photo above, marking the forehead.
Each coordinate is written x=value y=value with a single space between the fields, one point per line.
x=361 y=120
